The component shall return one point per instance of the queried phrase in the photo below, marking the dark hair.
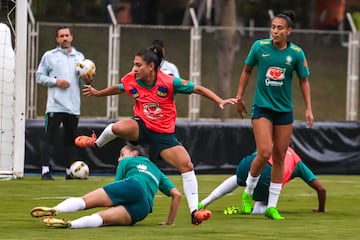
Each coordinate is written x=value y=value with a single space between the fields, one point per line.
x=289 y=16
x=60 y=28
x=158 y=42
x=154 y=54
x=142 y=151
x=291 y=144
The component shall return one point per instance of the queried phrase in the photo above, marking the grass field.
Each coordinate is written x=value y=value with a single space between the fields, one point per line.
x=342 y=221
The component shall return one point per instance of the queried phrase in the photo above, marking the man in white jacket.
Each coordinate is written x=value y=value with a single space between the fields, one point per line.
x=57 y=72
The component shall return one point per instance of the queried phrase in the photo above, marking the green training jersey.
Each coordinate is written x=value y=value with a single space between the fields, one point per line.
x=275 y=73
x=146 y=173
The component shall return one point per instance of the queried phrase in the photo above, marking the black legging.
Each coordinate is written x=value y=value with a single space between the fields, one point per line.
x=52 y=134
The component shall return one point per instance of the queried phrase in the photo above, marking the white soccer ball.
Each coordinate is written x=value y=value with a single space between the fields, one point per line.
x=86 y=67
x=79 y=170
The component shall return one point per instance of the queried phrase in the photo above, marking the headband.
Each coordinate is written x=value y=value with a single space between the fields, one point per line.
x=287 y=18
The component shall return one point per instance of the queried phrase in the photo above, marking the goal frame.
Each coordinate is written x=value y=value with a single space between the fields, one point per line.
x=19 y=116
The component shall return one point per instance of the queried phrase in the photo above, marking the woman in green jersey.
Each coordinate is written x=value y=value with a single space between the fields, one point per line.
x=129 y=198
x=272 y=108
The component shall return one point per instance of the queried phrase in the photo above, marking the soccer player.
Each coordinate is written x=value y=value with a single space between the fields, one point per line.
x=293 y=167
x=272 y=108
x=129 y=198
x=153 y=123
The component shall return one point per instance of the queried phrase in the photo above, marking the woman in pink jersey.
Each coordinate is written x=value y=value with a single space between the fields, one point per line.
x=153 y=123
x=293 y=167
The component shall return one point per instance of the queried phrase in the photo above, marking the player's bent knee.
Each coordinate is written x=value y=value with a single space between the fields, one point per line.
x=116 y=216
x=186 y=167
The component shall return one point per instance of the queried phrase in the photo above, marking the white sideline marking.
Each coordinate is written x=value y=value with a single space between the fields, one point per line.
x=61 y=197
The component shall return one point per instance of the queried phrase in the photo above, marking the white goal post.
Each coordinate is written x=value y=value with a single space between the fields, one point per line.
x=7 y=101
x=13 y=95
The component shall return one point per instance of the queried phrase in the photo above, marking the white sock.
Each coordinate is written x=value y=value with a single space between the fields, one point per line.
x=190 y=187
x=45 y=169
x=225 y=187
x=106 y=136
x=91 y=221
x=251 y=183
x=71 y=204
x=259 y=208
x=274 y=194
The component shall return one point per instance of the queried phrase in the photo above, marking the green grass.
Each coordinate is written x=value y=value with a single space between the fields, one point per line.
x=341 y=221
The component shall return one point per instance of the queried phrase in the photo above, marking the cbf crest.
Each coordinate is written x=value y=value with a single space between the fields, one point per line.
x=162 y=91
x=134 y=93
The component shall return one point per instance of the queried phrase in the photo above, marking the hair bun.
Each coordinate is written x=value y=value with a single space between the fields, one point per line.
x=290 y=14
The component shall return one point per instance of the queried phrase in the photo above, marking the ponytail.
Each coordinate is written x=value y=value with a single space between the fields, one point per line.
x=154 y=54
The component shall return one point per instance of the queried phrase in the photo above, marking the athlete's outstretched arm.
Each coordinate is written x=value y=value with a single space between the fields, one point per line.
x=321 y=192
x=203 y=91
x=174 y=207
x=88 y=90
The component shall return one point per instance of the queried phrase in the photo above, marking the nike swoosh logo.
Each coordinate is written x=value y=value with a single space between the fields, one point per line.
x=265 y=55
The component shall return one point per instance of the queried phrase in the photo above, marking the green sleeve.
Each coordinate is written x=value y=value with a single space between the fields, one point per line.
x=302 y=68
x=121 y=87
x=251 y=59
x=302 y=171
x=165 y=185
x=183 y=86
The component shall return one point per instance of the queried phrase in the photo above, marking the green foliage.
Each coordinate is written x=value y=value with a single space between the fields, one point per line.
x=356 y=18
x=341 y=221
x=69 y=10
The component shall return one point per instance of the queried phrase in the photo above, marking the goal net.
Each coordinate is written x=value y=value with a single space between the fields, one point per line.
x=7 y=102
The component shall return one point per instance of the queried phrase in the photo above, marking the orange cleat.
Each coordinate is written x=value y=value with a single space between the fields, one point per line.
x=85 y=141
x=198 y=216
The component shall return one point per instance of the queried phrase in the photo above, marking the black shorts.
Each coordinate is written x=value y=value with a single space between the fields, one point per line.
x=277 y=118
x=154 y=140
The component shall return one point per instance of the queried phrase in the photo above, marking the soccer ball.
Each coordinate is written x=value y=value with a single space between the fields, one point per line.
x=86 y=67
x=79 y=170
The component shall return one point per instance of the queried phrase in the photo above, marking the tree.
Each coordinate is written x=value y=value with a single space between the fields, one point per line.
x=227 y=46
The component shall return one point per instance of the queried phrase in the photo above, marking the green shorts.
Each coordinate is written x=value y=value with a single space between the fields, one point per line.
x=130 y=194
x=154 y=140
x=261 y=191
x=277 y=118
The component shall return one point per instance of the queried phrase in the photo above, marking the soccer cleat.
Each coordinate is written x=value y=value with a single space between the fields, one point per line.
x=200 y=205
x=85 y=141
x=273 y=213
x=43 y=212
x=198 y=216
x=56 y=222
x=232 y=210
x=46 y=176
x=246 y=206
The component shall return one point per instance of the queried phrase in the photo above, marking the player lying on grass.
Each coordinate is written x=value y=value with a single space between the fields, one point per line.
x=129 y=198
x=293 y=167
